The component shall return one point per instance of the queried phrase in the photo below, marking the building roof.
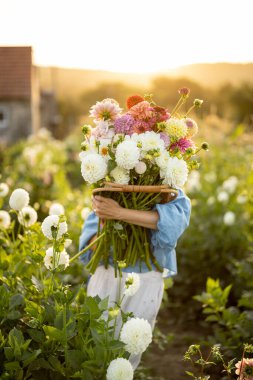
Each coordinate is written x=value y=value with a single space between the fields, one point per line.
x=15 y=72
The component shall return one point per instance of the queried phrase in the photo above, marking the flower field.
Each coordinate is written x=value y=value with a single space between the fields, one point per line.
x=49 y=328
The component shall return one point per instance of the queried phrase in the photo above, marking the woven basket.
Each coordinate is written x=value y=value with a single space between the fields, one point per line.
x=168 y=194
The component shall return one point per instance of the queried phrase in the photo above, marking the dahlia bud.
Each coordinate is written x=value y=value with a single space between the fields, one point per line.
x=84 y=146
x=198 y=102
x=140 y=167
x=205 y=146
x=85 y=129
x=113 y=312
x=184 y=92
x=121 y=264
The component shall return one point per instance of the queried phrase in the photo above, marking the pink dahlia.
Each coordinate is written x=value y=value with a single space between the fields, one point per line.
x=183 y=144
x=142 y=126
x=124 y=124
x=108 y=109
x=141 y=111
x=244 y=368
x=161 y=114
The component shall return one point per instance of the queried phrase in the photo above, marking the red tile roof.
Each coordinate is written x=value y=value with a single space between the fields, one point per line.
x=15 y=72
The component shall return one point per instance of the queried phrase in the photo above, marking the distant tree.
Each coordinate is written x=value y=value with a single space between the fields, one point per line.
x=242 y=103
x=117 y=91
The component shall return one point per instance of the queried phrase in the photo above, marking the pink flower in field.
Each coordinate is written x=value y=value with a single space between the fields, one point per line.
x=183 y=144
x=244 y=368
x=108 y=109
x=141 y=111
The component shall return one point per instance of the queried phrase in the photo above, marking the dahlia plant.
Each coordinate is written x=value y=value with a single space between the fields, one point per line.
x=146 y=145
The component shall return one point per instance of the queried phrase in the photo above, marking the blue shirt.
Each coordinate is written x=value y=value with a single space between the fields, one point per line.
x=174 y=218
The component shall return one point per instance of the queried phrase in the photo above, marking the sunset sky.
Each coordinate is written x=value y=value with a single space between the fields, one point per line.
x=129 y=36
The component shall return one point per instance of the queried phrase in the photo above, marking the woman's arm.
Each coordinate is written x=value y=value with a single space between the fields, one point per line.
x=106 y=208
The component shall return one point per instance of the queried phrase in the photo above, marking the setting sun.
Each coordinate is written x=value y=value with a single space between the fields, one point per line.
x=133 y=36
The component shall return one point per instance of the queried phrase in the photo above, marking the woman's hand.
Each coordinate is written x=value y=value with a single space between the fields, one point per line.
x=106 y=208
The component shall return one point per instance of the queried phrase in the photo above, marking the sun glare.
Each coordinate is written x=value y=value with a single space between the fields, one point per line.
x=133 y=36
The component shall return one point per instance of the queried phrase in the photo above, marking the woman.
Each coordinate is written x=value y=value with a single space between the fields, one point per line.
x=166 y=222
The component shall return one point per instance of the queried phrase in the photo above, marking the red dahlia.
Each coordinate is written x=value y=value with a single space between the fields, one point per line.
x=133 y=100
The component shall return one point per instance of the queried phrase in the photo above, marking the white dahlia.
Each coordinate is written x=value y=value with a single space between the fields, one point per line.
x=132 y=284
x=176 y=172
x=19 y=199
x=176 y=128
x=93 y=168
x=56 y=209
x=151 y=141
x=137 y=335
x=229 y=218
x=140 y=167
x=4 y=189
x=120 y=175
x=5 y=219
x=127 y=154
x=223 y=196
x=61 y=258
x=230 y=184
x=162 y=160
x=120 y=369
x=52 y=223
x=27 y=216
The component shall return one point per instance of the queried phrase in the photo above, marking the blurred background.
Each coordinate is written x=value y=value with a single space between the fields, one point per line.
x=57 y=58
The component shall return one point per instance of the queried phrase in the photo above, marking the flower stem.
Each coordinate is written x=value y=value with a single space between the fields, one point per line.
x=87 y=248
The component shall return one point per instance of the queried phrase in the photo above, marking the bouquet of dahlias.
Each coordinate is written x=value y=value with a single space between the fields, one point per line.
x=144 y=146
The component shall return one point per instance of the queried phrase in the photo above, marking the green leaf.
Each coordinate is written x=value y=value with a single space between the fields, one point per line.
x=189 y=373
x=75 y=358
x=14 y=314
x=53 y=333
x=16 y=300
x=12 y=366
x=103 y=304
x=9 y=353
x=56 y=364
x=15 y=336
x=36 y=335
x=39 y=363
x=29 y=357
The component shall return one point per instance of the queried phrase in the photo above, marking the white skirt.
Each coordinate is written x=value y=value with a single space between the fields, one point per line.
x=144 y=304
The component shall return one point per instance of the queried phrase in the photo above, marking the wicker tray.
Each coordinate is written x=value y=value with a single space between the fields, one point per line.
x=168 y=194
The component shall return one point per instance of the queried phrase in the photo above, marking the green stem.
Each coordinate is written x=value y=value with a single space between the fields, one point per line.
x=87 y=248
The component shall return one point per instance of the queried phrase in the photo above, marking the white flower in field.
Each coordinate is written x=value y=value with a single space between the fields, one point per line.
x=120 y=175
x=210 y=201
x=127 y=154
x=222 y=196
x=210 y=177
x=93 y=168
x=4 y=189
x=56 y=209
x=140 y=167
x=120 y=369
x=137 y=335
x=67 y=243
x=162 y=160
x=132 y=284
x=230 y=184
x=19 y=199
x=61 y=258
x=27 y=216
x=176 y=128
x=5 y=219
x=85 y=212
x=176 y=172
x=150 y=141
x=241 y=198
x=229 y=218
x=51 y=223
x=193 y=181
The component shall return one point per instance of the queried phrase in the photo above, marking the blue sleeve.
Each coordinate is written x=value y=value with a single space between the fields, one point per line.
x=89 y=230
x=174 y=218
